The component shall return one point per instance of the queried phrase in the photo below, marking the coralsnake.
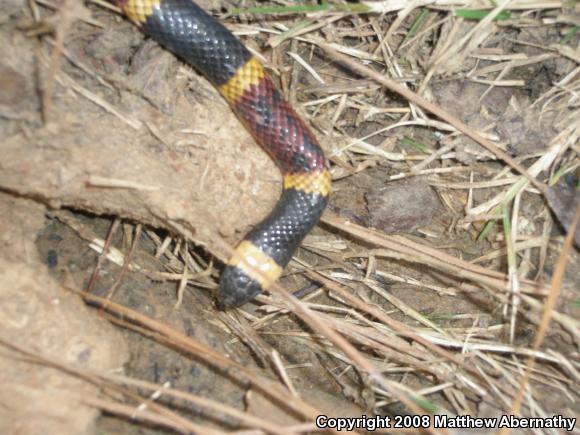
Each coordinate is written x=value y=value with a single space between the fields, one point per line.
x=188 y=31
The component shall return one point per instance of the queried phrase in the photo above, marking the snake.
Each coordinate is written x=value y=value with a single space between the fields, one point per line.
x=258 y=260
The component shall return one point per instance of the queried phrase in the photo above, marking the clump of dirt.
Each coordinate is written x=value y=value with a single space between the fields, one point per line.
x=42 y=322
x=403 y=206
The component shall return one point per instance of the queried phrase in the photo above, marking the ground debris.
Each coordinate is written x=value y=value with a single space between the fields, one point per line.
x=403 y=206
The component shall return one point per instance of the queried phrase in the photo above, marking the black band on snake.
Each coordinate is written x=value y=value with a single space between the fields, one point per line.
x=188 y=31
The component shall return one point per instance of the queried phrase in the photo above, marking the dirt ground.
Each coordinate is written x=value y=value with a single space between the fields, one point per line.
x=426 y=288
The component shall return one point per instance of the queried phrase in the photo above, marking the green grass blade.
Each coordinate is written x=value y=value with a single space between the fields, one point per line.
x=480 y=14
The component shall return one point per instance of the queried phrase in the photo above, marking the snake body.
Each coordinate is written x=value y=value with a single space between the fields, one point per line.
x=187 y=30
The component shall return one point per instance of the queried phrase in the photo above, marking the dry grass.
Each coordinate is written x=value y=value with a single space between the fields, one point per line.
x=465 y=365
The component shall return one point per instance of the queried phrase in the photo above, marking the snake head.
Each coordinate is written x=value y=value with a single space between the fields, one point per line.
x=236 y=288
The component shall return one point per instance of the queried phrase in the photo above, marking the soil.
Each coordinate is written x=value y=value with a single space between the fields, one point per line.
x=135 y=147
